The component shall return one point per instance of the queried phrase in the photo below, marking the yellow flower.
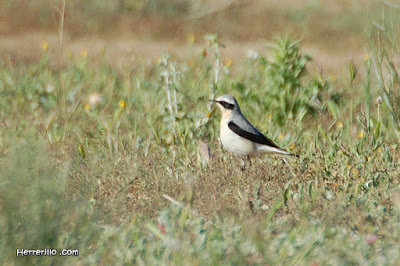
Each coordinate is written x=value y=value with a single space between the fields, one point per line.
x=84 y=52
x=191 y=38
x=361 y=134
x=379 y=149
x=86 y=106
x=208 y=114
x=366 y=57
x=362 y=179
x=292 y=146
x=339 y=125
x=355 y=172
x=44 y=45
x=121 y=104
x=228 y=62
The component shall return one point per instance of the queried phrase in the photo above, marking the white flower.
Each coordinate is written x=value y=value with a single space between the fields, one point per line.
x=252 y=54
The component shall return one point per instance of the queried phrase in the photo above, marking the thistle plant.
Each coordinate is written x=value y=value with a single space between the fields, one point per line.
x=384 y=48
x=169 y=75
x=214 y=48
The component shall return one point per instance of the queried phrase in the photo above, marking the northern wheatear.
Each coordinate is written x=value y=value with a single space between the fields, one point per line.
x=240 y=137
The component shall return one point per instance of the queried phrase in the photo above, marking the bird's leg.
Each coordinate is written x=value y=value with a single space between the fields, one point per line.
x=243 y=163
x=248 y=158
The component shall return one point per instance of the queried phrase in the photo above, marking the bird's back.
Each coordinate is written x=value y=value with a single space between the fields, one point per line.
x=243 y=123
x=241 y=126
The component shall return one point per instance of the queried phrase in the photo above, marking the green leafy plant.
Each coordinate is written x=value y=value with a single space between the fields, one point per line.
x=289 y=96
x=288 y=91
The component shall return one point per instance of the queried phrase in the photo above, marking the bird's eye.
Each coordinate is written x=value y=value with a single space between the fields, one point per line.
x=226 y=105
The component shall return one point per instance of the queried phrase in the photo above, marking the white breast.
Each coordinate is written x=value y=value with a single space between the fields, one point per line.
x=234 y=143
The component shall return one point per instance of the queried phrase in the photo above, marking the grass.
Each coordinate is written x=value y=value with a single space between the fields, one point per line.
x=118 y=171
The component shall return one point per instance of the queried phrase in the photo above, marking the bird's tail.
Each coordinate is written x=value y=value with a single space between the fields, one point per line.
x=277 y=151
x=286 y=153
x=294 y=155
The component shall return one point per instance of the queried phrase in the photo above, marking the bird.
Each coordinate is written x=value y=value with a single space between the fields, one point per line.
x=239 y=136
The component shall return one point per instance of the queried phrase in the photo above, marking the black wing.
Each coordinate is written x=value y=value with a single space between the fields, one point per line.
x=261 y=139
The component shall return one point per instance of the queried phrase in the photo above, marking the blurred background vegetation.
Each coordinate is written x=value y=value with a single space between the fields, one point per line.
x=334 y=27
x=237 y=20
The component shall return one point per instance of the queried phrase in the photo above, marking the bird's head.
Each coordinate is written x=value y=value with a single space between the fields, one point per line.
x=227 y=104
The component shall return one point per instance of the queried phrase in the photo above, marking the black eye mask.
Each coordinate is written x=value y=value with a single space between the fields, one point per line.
x=226 y=105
